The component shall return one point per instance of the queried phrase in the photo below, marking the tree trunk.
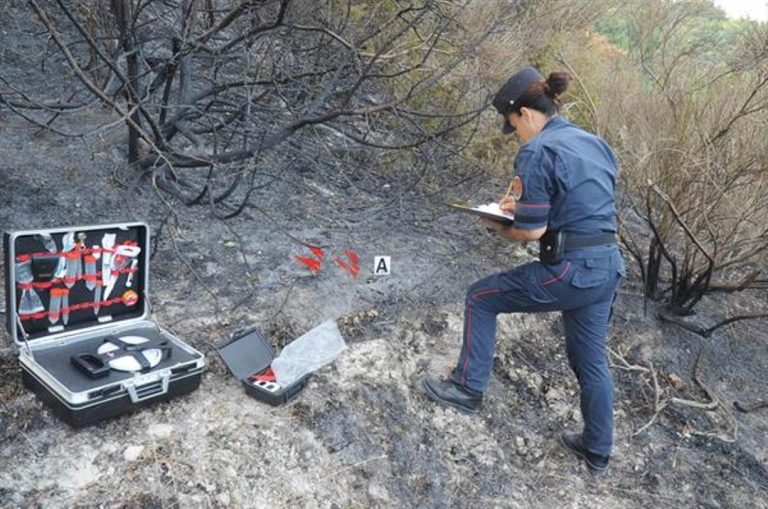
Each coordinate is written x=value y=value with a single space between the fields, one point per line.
x=123 y=12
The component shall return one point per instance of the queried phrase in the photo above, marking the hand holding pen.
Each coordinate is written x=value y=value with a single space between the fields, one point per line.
x=508 y=203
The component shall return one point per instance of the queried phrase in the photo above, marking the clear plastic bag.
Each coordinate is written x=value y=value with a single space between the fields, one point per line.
x=308 y=353
x=29 y=302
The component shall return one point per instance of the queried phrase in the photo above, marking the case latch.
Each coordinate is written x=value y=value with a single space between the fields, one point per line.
x=148 y=386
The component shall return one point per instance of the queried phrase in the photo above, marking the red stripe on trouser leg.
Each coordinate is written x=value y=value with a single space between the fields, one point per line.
x=558 y=278
x=468 y=340
x=483 y=292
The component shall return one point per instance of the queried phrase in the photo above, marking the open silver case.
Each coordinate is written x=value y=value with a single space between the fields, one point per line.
x=108 y=357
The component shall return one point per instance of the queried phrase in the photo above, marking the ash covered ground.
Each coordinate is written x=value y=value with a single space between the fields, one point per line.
x=363 y=433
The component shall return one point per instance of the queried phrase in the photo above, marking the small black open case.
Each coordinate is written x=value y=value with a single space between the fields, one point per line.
x=249 y=354
x=87 y=344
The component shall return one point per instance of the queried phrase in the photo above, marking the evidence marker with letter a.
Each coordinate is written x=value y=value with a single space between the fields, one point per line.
x=382 y=266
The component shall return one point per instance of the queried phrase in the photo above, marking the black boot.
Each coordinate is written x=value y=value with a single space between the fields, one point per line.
x=572 y=442
x=447 y=393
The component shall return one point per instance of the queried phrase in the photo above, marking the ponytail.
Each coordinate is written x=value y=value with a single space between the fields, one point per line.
x=557 y=84
x=544 y=96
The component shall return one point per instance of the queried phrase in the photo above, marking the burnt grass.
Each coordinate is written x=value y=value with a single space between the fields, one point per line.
x=363 y=433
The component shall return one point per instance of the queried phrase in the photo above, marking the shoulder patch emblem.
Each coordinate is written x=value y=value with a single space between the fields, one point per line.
x=517 y=188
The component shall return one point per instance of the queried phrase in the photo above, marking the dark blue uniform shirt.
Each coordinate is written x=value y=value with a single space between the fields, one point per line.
x=568 y=177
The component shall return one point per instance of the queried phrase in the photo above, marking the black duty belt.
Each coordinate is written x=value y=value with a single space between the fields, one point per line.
x=554 y=243
x=582 y=241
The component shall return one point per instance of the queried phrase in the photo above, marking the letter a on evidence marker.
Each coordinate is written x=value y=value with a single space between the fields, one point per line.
x=381 y=265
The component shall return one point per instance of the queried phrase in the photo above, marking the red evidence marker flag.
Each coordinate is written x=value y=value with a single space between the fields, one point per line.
x=352 y=256
x=352 y=269
x=318 y=252
x=311 y=263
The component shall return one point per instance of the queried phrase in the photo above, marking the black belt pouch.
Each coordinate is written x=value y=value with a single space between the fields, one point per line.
x=552 y=247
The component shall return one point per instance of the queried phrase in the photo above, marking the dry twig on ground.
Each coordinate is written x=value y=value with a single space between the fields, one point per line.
x=661 y=401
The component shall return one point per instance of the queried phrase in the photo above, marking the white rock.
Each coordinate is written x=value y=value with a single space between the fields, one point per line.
x=133 y=452
x=560 y=408
x=82 y=474
x=377 y=492
x=535 y=381
x=555 y=394
x=161 y=430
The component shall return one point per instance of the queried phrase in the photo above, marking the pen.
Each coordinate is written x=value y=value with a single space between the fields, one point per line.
x=509 y=189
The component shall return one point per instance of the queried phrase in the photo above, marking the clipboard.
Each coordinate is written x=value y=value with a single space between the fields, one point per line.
x=485 y=211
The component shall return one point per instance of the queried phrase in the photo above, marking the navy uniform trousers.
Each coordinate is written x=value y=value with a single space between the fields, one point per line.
x=583 y=287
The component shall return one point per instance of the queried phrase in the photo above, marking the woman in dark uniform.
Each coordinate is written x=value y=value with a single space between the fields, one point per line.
x=563 y=196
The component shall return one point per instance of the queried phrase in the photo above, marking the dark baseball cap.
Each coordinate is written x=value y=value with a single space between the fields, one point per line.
x=511 y=92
